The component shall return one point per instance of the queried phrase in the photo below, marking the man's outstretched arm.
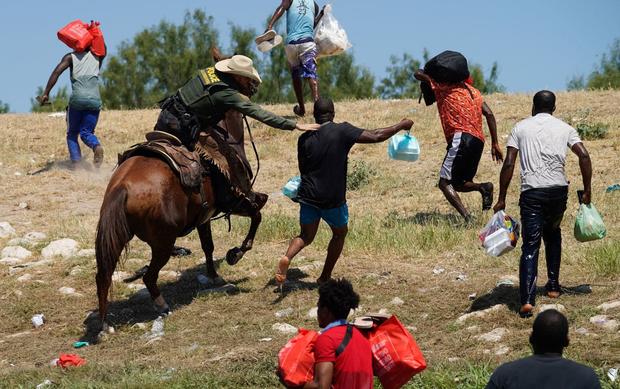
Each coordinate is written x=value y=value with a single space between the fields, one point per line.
x=585 y=165
x=382 y=134
x=283 y=7
x=65 y=63
x=496 y=150
x=505 y=177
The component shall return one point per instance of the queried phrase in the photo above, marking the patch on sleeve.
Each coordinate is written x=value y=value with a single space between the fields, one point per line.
x=208 y=76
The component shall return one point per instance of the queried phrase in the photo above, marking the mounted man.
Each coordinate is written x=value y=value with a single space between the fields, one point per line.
x=197 y=113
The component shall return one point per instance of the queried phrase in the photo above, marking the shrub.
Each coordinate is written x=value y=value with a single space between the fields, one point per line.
x=587 y=129
x=360 y=174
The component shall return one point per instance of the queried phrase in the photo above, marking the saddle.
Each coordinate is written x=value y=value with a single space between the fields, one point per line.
x=186 y=164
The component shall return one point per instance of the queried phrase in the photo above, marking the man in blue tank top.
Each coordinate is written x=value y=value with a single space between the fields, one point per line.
x=302 y=17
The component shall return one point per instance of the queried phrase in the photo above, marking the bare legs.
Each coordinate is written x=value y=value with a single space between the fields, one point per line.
x=305 y=238
x=300 y=109
x=450 y=192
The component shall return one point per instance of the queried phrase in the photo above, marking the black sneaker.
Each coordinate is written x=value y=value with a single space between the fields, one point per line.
x=486 y=190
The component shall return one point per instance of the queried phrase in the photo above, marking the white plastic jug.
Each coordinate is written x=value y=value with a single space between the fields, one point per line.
x=404 y=148
x=291 y=187
x=498 y=243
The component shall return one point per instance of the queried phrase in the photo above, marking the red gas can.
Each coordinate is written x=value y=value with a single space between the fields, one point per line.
x=76 y=35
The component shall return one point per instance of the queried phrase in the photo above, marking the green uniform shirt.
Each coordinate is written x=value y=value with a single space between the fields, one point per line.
x=211 y=94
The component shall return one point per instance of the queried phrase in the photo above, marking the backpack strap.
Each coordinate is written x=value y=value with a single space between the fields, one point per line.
x=345 y=341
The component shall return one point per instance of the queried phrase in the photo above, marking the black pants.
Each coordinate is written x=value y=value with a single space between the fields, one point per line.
x=542 y=211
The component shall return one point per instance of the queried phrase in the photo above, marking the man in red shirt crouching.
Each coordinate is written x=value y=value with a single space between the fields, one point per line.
x=343 y=356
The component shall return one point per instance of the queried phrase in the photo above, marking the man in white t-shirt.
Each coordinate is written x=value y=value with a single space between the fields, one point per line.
x=541 y=143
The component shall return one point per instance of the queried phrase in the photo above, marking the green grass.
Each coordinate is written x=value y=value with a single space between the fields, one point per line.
x=605 y=259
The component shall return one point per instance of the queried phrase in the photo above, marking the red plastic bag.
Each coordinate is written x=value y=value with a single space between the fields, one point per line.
x=76 y=35
x=67 y=360
x=97 y=47
x=296 y=359
x=395 y=355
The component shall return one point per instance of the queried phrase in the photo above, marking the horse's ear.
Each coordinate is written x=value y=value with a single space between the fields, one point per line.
x=216 y=54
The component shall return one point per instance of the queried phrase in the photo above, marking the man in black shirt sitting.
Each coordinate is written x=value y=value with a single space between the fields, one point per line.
x=323 y=156
x=546 y=368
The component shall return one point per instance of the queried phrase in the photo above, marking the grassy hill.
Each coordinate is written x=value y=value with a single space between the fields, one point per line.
x=402 y=233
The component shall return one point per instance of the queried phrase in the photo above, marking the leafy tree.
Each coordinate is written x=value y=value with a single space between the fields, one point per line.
x=400 y=82
x=4 y=107
x=486 y=85
x=57 y=102
x=607 y=74
x=157 y=61
x=340 y=78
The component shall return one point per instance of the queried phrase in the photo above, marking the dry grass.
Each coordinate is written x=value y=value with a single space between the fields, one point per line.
x=401 y=230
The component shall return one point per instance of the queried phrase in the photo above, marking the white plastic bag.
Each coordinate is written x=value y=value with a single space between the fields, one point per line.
x=329 y=36
x=500 y=235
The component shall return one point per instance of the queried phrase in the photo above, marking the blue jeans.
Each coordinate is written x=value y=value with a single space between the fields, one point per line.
x=81 y=123
x=334 y=217
x=542 y=211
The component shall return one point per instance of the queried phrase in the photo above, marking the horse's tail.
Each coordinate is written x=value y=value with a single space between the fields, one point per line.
x=113 y=236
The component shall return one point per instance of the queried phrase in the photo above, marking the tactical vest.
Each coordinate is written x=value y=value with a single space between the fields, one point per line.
x=196 y=95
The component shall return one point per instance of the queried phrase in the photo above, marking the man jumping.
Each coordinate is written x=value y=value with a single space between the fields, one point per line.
x=461 y=108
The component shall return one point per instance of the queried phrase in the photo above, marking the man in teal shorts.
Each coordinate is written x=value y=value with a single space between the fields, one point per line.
x=323 y=157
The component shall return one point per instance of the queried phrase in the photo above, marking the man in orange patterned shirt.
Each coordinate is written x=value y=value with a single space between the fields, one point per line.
x=461 y=108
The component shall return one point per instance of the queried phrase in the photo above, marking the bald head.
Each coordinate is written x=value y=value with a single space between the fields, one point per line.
x=549 y=333
x=544 y=102
x=324 y=110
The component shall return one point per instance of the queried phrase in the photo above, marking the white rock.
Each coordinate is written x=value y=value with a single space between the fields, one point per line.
x=6 y=230
x=19 y=242
x=35 y=236
x=265 y=340
x=461 y=277
x=26 y=277
x=313 y=313
x=284 y=313
x=284 y=328
x=68 y=291
x=65 y=248
x=15 y=252
x=75 y=271
x=11 y=261
x=438 y=270
x=22 y=205
x=472 y=296
x=454 y=359
x=606 y=323
x=45 y=384
x=557 y=307
x=582 y=331
x=482 y=313
x=612 y=374
x=493 y=336
x=411 y=328
x=472 y=329
x=610 y=305
x=502 y=350
x=397 y=301
x=86 y=253
x=119 y=276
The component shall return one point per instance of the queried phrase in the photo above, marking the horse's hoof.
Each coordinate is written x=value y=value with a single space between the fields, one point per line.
x=233 y=256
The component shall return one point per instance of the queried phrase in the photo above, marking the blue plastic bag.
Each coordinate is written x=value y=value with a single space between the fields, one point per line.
x=589 y=224
x=404 y=148
x=292 y=187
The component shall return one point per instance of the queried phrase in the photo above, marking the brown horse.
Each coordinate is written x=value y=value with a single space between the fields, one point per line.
x=145 y=198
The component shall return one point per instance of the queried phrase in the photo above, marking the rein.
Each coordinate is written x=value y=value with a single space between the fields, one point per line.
x=227 y=214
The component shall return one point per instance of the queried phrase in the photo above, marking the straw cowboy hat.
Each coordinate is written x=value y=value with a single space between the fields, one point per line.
x=239 y=65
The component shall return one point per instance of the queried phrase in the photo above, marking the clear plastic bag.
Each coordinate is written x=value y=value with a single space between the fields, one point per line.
x=330 y=37
x=589 y=224
x=500 y=235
